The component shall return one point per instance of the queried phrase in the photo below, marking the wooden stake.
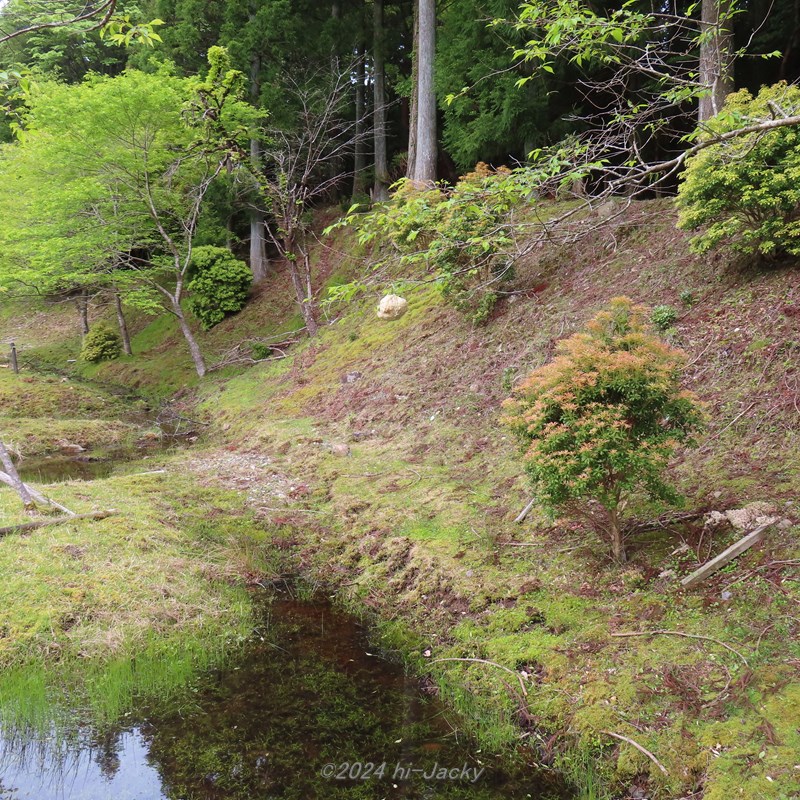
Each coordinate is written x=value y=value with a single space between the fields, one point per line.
x=525 y=511
x=716 y=563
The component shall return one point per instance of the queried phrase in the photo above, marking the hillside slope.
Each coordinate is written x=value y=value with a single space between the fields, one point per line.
x=389 y=479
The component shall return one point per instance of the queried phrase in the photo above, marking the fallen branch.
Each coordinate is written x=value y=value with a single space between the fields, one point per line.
x=685 y=635
x=732 y=422
x=664 y=521
x=525 y=511
x=139 y=474
x=13 y=479
x=491 y=663
x=35 y=494
x=43 y=523
x=639 y=748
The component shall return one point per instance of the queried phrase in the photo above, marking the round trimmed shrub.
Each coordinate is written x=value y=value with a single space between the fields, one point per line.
x=219 y=283
x=745 y=192
x=102 y=343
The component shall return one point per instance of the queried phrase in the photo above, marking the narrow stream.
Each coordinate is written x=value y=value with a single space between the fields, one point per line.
x=309 y=711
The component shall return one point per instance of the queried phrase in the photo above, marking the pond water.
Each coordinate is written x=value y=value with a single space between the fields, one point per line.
x=309 y=711
x=54 y=469
x=87 y=466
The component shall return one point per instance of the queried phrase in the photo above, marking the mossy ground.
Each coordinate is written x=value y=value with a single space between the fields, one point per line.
x=415 y=524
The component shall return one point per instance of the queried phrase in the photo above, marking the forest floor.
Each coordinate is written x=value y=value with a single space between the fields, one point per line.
x=371 y=462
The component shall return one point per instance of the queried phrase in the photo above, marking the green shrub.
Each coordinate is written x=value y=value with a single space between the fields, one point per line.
x=460 y=234
x=747 y=190
x=688 y=298
x=664 y=317
x=102 y=343
x=260 y=351
x=218 y=284
x=601 y=421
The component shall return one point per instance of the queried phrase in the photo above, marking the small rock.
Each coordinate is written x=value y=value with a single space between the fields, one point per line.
x=751 y=515
x=351 y=377
x=609 y=208
x=726 y=595
x=392 y=306
x=69 y=447
x=785 y=524
x=340 y=449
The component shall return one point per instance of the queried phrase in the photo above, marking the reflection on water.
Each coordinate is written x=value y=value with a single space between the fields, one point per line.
x=117 y=769
x=308 y=694
x=55 y=469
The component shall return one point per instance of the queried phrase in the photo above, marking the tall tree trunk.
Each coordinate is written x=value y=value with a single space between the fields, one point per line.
x=716 y=47
x=425 y=162
x=411 y=166
x=19 y=487
x=381 y=188
x=258 y=245
x=123 y=325
x=359 y=152
x=83 y=311
x=194 y=347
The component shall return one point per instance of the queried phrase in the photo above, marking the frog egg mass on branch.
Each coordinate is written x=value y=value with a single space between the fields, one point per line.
x=392 y=307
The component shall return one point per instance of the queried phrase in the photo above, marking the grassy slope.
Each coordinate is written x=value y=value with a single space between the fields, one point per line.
x=44 y=414
x=416 y=522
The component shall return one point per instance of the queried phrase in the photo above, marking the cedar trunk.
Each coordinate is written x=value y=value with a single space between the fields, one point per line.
x=412 y=111
x=425 y=166
x=716 y=45
x=381 y=188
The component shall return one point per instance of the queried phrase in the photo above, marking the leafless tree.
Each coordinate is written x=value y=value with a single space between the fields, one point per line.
x=304 y=164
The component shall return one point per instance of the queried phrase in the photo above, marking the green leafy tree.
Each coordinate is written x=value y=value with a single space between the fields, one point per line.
x=22 y=17
x=602 y=419
x=218 y=284
x=121 y=166
x=745 y=192
x=485 y=116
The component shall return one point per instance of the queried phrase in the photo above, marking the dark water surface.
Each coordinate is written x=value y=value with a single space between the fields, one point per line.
x=88 y=466
x=301 y=716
